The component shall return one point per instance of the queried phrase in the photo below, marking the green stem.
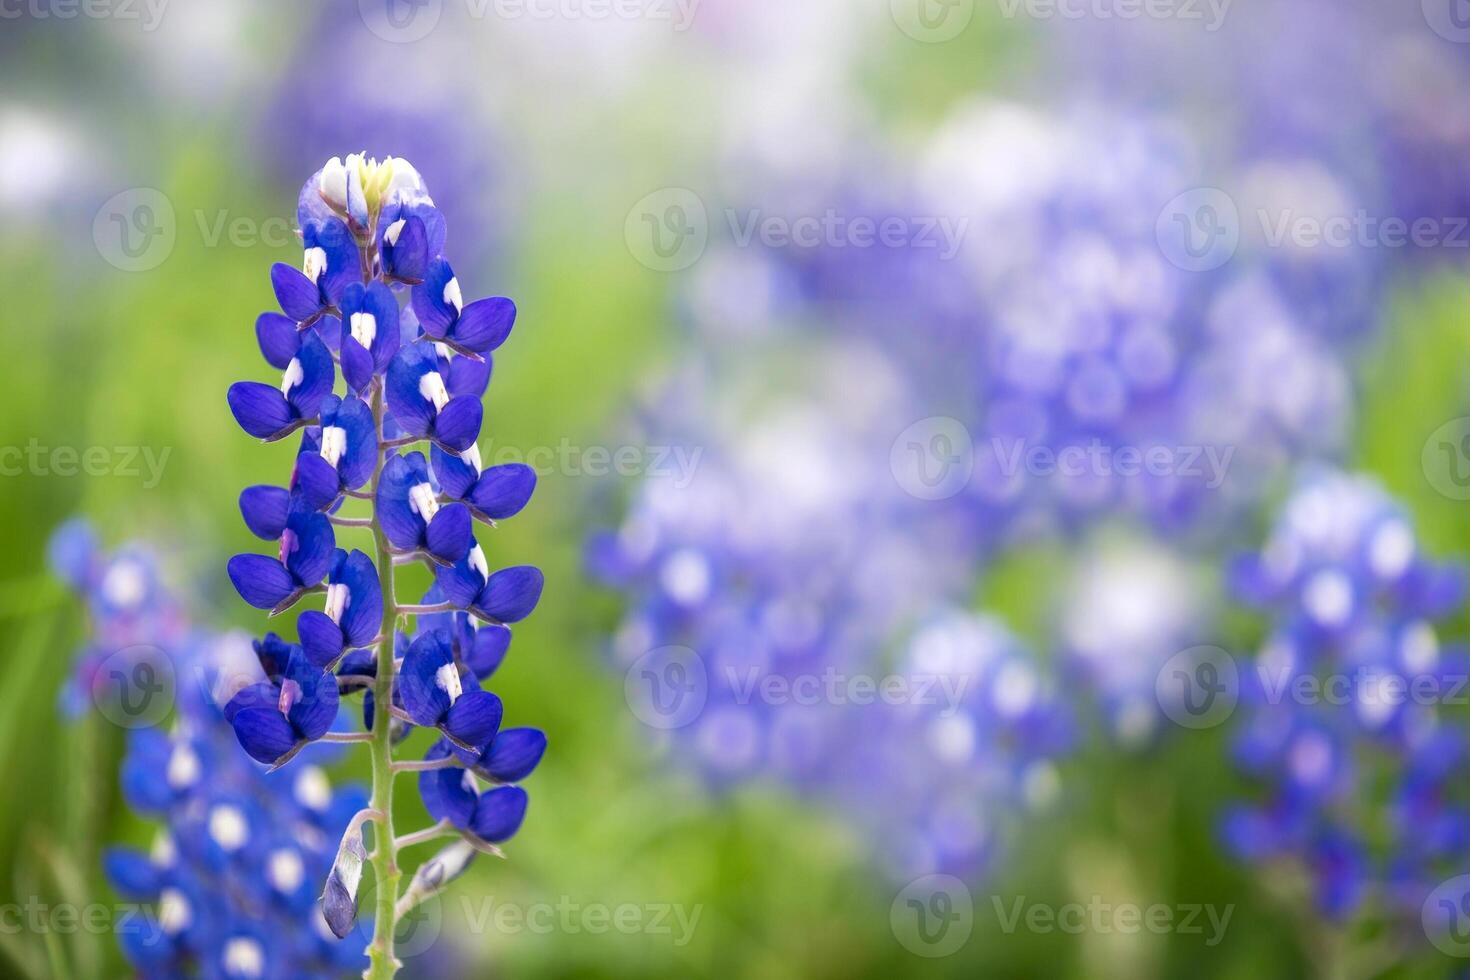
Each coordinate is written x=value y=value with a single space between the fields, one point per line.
x=382 y=962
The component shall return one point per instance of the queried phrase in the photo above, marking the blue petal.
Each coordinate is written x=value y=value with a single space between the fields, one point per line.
x=260 y=409
x=411 y=410
x=447 y=793
x=409 y=259
x=298 y=295
x=511 y=593
x=487 y=650
x=132 y=873
x=316 y=484
x=499 y=813
x=364 y=613
x=401 y=523
x=278 y=337
x=321 y=639
x=450 y=533
x=455 y=476
x=474 y=718
x=263 y=582
x=357 y=364
x=314 y=711
x=458 y=426
x=356 y=465
x=344 y=265
x=484 y=324
x=264 y=734
x=315 y=543
x=317 y=376
x=435 y=315
x=418 y=684
x=514 y=754
x=468 y=376
x=502 y=491
x=264 y=510
x=460 y=583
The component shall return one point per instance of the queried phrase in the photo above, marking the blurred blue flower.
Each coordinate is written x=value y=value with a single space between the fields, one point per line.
x=1344 y=728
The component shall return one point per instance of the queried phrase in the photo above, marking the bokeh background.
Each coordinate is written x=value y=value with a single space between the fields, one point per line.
x=807 y=269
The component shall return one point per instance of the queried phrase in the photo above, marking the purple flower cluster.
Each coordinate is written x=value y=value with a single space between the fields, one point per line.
x=230 y=878
x=134 y=622
x=960 y=768
x=1347 y=725
x=768 y=590
x=376 y=298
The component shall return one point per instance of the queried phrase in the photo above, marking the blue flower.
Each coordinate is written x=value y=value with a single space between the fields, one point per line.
x=353 y=614
x=273 y=413
x=413 y=518
x=507 y=596
x=274 y=721
x=330 y=264
x=370 y=334
x=433 y=694
x=436 y=398
x=452 y=795
x=337 y=455
x=475 y=329
x=493 y=494
x=307 y=545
